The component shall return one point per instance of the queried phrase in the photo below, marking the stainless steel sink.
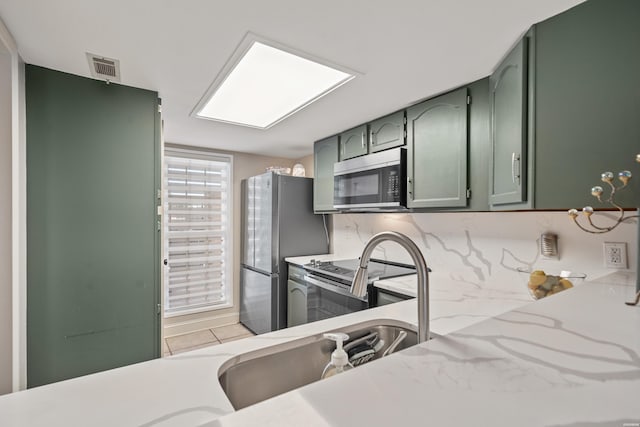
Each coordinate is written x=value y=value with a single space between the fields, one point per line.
x=255 y=376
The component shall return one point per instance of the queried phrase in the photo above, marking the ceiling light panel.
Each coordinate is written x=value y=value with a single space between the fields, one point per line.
x=266 y=85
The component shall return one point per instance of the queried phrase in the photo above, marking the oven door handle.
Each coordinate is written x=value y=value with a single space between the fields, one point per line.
x=330 y=287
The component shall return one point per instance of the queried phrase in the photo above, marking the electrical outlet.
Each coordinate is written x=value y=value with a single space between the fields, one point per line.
x=615 y=255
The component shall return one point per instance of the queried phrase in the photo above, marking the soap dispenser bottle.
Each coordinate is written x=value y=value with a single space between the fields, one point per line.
x=339 y=358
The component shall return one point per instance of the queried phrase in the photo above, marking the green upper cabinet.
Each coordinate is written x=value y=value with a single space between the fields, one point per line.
x=569 y=112
x=587 y=106
x=325 y=154
x=479 y=143
x=387 y=132
x=561 y=108
x=437 y=143
x=508 y=100
x=353 y=143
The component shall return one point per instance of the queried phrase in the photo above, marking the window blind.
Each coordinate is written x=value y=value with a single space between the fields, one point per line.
x=197 y=232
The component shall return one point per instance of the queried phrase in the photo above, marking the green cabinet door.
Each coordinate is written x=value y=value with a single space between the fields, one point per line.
x=353 y=143
x=587 y=112
x=437 y=150
x=325 y=154
x=387 y=132
x=508 y=97
x=93 y=258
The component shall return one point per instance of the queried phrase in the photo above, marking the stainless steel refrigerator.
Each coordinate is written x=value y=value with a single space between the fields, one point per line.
x=277 y=222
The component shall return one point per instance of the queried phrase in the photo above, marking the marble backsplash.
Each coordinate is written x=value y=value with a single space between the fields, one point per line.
x=481 y=247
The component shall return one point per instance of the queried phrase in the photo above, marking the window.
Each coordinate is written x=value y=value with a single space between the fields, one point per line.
x=197 y=231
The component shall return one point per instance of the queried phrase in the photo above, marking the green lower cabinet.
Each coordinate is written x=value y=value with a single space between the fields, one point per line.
x=93 y=257
x=325 y=154
x=437 y=152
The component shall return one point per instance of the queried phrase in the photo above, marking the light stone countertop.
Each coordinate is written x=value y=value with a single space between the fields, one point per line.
x=405 y=285
x=572 y=359
x=456 y=303
x=566 y=360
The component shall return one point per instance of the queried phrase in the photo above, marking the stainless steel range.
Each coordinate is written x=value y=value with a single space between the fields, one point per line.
x=327 y=285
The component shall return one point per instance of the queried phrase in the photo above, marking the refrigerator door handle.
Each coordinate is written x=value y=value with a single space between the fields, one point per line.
x=257 y=270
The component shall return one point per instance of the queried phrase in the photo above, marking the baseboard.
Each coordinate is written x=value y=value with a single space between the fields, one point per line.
x=193 y=325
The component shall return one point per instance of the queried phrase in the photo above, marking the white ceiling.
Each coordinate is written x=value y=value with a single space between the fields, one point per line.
x=406 y=50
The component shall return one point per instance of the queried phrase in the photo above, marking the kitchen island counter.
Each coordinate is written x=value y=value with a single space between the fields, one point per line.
x=457 y=303
x=565 y=360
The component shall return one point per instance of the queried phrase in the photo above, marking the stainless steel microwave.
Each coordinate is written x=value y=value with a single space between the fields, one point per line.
x=371 y=182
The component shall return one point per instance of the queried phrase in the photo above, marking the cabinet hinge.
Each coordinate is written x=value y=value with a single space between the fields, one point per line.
x=159 y=224
x=404 y=120
x=159 y=108
x=158 y=308
x=468 y=193
x=159 y=194
x=468 y=99
x=405 y=134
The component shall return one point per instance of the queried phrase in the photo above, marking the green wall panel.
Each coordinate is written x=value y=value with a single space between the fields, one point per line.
x=93 y=249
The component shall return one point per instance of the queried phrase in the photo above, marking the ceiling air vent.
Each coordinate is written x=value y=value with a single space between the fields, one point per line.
x=104 y=68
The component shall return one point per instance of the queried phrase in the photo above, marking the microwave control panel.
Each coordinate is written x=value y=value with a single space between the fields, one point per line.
x=393 y=183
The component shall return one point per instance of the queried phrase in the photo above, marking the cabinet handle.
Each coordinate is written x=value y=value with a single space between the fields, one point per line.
x=362 y=139
x=515 y=168
x=373 y=141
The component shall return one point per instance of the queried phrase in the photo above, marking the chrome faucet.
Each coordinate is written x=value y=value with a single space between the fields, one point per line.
x=359 y=284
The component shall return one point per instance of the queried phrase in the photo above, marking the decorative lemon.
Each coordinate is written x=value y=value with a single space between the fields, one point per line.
x=536 y=279
x=566 y=283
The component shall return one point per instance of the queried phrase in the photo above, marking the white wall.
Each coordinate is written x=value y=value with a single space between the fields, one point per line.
x=482 y=247
x=5 y=223
x=307 y=162
x=13 y=217
x=19 y=223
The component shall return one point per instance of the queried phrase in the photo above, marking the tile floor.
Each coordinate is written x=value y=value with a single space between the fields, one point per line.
x=206 y=338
